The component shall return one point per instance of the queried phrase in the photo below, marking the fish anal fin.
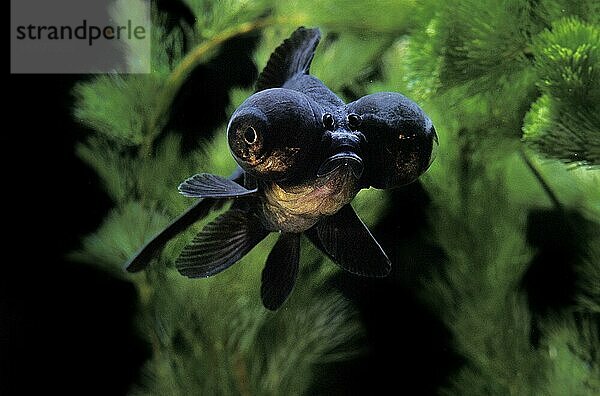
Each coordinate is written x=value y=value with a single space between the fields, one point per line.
x=280 y=272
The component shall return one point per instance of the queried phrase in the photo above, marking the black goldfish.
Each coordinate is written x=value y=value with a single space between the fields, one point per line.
x=303 y=155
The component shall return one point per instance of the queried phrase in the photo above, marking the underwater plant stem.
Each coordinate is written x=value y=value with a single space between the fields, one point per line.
x=545 y=186
x=182 y=71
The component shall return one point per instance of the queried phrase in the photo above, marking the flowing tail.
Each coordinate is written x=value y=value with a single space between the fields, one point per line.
x=211 y=196
x=143 y=257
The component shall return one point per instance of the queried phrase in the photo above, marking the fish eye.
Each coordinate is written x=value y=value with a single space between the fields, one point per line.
x=328 y=121
x=354 y=120
x=250 y=135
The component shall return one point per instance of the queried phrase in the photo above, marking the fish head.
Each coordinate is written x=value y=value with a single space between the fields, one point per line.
x=400 y=141
x=272 y=134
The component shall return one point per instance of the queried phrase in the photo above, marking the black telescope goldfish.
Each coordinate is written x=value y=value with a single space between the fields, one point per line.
x=303 y=155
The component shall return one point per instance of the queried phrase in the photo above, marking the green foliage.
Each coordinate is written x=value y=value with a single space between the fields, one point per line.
x=564 y=123
x=112 y=106
x=568 y=134
x=589 y=278
x=476 y=68
x=147 y=179
x=488 y=73
x=386 y=17
x=478 y=291
x=118 y=238
x=358 y=62
x=237 y=347
x=484 y=43
x=572 y=347
x=568 y=59
x=214 y=17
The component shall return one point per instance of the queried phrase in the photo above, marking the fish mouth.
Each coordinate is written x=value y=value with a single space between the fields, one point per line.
x=348 y=162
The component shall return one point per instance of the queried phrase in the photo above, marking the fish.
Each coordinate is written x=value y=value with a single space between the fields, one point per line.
x=302 y=155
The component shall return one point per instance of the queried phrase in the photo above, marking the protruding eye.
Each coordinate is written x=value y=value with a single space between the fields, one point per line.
x=250 y=135
x=328 y=121
x=401 y=140
x=354 y=120
x=247 y=142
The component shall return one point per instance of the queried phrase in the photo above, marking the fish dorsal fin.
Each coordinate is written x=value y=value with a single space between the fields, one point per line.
x=291 y=58
x=349 y=243
x=220 y=244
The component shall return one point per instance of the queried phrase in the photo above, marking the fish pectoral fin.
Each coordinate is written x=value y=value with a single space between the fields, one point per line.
x=220 y=244
x=206 y=185
x=349 y=243
x=291 y=58
x=280 y=272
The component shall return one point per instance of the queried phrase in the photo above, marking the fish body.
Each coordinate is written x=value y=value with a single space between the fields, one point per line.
x=297 y=208
x=303 y=155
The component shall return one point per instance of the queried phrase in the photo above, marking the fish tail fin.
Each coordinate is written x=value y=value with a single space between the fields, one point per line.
x=291 y=58
x=220 y=244
x=199 y=210
x=142 y=258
